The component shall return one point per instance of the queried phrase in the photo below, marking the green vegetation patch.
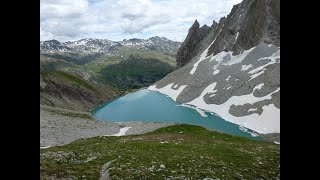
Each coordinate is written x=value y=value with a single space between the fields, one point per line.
x=174 y=152
x=127 y=69
x=135 y=72
x=76 y=58
x=76 y=79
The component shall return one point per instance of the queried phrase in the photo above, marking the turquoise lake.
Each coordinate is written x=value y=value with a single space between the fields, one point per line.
x=151 y=106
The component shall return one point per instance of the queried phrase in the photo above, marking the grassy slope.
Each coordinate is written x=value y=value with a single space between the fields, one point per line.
x=75 y=58
x=70 y=91
x=131 y=69
x=104 y=61
x=191 y=152
x=98 y=77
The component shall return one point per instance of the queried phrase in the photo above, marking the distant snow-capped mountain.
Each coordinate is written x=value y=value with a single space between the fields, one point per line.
x=90 y=45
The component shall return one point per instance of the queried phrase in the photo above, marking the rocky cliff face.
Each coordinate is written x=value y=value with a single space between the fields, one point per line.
x=189 y=47
x=236 y=71
x=249 y=23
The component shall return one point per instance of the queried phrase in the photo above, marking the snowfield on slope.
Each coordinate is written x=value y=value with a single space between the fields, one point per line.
x=266 y=122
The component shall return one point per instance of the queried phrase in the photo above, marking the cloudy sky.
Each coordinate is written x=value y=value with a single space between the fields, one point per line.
x=67 y=20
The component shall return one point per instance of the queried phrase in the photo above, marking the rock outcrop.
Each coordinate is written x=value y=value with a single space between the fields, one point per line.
x=249 y=23
x=234 y=71
x=189 y=48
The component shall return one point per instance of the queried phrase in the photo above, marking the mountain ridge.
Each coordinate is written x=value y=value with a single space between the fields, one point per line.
x=94 y=45
x=235 y=71
x=72 y=73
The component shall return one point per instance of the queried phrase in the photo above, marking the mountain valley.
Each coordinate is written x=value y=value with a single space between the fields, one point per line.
x=227 y=72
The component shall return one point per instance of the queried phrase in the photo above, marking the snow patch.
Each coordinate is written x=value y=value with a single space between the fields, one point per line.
x=236 y=36
x=203 y=55
x=253 y=134
x=209 y=89
x=216 y=72
x=245 y=67
x=219 y=57
x=44 y=147
x=164 y=142
x=168 y=90
x=228 y=78
x=261 y=69
x=257 y=87
x=122 y=132
x=234 y=59
x=200 y=111
x=238 y=58
x=256 y=75
x=252 y=109
x=214 y=91
x=267 y=122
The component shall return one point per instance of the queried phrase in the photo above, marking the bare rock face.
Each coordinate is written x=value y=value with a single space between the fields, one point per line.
x=189 y=47
x=250 y=23
x=234 y=71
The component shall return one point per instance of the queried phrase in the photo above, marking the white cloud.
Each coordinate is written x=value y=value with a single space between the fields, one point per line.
x=115 y=20
x=63 y=8
x=45 y=35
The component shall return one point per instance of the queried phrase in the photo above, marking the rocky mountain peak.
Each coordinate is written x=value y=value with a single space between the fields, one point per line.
x=214 y=23
x=233 y=67
x=195 y=25
x=188 y=48
x=248 y=24
x=50 y=45
x=53 y=41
